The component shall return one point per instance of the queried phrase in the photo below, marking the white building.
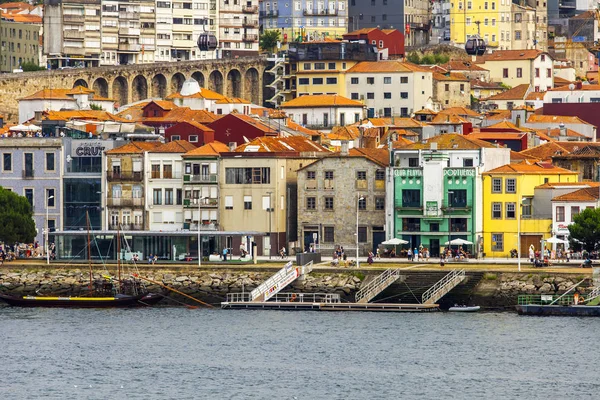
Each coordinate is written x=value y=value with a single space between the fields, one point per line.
x=390 y=88
x=198 y=98
x=238 y=27
x=164 y=195
x=566 y=206
x=573 y=93
x=323 y=111
x=78 y=98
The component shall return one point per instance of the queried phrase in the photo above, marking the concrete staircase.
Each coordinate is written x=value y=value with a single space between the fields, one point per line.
x=369 y=291
x=279 y=281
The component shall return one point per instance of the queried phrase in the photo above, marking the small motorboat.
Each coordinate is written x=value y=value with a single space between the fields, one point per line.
x=458 y=308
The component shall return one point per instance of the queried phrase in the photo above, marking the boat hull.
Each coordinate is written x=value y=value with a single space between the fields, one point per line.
x=576 y=311
x=82 y=302
x=464 y=309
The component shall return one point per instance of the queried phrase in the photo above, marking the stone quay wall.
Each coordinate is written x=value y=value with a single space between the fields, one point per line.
x=492 y=290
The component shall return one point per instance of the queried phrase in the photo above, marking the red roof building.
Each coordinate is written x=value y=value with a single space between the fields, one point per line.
x=240 y=129
x=390 y=40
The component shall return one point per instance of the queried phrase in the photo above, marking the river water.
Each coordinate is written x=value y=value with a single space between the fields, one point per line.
x=177 y=353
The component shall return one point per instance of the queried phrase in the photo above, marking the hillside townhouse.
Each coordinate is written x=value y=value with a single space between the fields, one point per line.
x=517 y=67
x=566 y=206
x=451 y=90
x=33 y=168
x=323 y=112
x=434 y=193
x=305 y=18
x=508 y=193
x=488 y=18
x=162 y=184
x=258 y=191
x=390 y=88
x=201 y=195
x=20 y=33
x=349 y=183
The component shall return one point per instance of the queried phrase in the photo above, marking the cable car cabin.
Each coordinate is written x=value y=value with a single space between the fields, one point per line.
x=475 y=46
x=207 y=42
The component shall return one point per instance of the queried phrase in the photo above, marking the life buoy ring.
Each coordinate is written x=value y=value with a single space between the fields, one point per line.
x=293 y=298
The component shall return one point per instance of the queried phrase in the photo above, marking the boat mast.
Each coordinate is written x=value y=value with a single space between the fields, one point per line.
x=87 y=222
x=119 y=257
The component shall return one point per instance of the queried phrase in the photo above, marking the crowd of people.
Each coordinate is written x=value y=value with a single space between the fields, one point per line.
x=10 y=252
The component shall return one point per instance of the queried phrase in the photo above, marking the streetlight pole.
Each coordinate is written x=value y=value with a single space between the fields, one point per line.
x=199 y=241
x=359 y=198
x=449 y=209
x=519 y=234
x=269 y=211
x=46 y=240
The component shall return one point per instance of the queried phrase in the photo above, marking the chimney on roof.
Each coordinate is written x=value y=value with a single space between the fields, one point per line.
x=562 y=129
x=232 y=146
x=345 y=148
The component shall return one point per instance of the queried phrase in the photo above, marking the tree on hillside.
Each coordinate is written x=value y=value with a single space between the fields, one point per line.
x=585 y=230
x=269 y=39
x=16 y=218
x=31 y=66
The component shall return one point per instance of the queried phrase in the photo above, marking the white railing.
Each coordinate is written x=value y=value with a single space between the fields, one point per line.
x=377 y=285
x=443 y=286
x=279 y=281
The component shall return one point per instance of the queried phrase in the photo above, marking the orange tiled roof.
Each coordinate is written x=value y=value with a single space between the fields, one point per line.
x=425 y=111
x=185 y=114
x=451 y=141
x=462 y=111
x=575 y=185
x=321 y=100
x=210 y=149
x=254 y=122
x=134 y=112
x=50 y=94
x=344 y=133
x=476 y=83
x=385 y=66
x=567 y=89
x=545 y=151
x=509 y=126
x=453 y=76
x=565 y=119
x=134 y=148
x=271 y=144
x=558 y=81
x=202 y=94
x=232 y=100
x=443 y=118
x=530 y=168
x=497 y=135
x=401 y=142
x=93 y=115
x=176 y=146
x=396 y=122
x=378 y=156
x=164 y=104
x=498 y=115
x=517 y=93
x=510 y=55
x=535 y=96
x=517 y=157
x=297 y=127
x=556 y=133
x=461 y=65
x=585 y=194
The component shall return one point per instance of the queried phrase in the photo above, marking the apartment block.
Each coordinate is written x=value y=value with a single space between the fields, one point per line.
x=238 y=27
x=20 y=36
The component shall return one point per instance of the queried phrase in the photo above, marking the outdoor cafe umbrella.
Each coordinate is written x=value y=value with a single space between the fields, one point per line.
x=458 y=242
x=556 y=240
x=394 y=242
x=25 y=128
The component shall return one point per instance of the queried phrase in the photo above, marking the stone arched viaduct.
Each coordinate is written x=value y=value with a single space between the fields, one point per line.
x=129 y=83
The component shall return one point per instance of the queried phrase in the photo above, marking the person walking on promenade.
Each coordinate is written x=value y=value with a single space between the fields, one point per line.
x=409 y=254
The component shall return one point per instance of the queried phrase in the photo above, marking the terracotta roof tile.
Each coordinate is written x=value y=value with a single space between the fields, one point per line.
x=210 y=149
x=545 y=151
x=202 y=94
x=450 y=77
x=574 y=185
x=92 y=115
x=517 y=157
x=461 y=65
x=378 y=156
x=385 y=66
x=443 y=118
x=271 y=144
x=585 y=194
x=134 y=148
x=425 y=111
x=517 y=93
x=183 y=114
x=477 y=84
x=530 y=168
x=176 y=146
x=565 y=119
x=498 y=115
x=344 y=133
x=451 y=141
x=462 y=111
x=509 y=55
x=535 y=96
x=508 y=126
x=558 y=81
x=321 y=100
x=555 y=133
x=497 y=135
x=401 y=142
x=567 y=89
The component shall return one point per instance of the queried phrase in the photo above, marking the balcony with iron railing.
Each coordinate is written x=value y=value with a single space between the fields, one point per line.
x=206 y=225
x=249 y=9
x=457 y=206
x=112 y=176
x=408 y=206
x=249 y=23
x=249 y=37
x=124 y=201
x=202 y=178
x=322 y=12
x=206 y=203
x=28 y=173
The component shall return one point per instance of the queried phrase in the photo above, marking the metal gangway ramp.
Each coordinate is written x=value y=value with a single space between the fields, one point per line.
x=279 y=281
x=377 y=285
x=443 y=286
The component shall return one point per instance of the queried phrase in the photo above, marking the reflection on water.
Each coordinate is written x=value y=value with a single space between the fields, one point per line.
x=162 y=353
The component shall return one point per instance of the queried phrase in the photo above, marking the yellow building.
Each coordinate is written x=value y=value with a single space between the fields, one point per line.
x=492 y=17
x=322 y=77
x=503 y=189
